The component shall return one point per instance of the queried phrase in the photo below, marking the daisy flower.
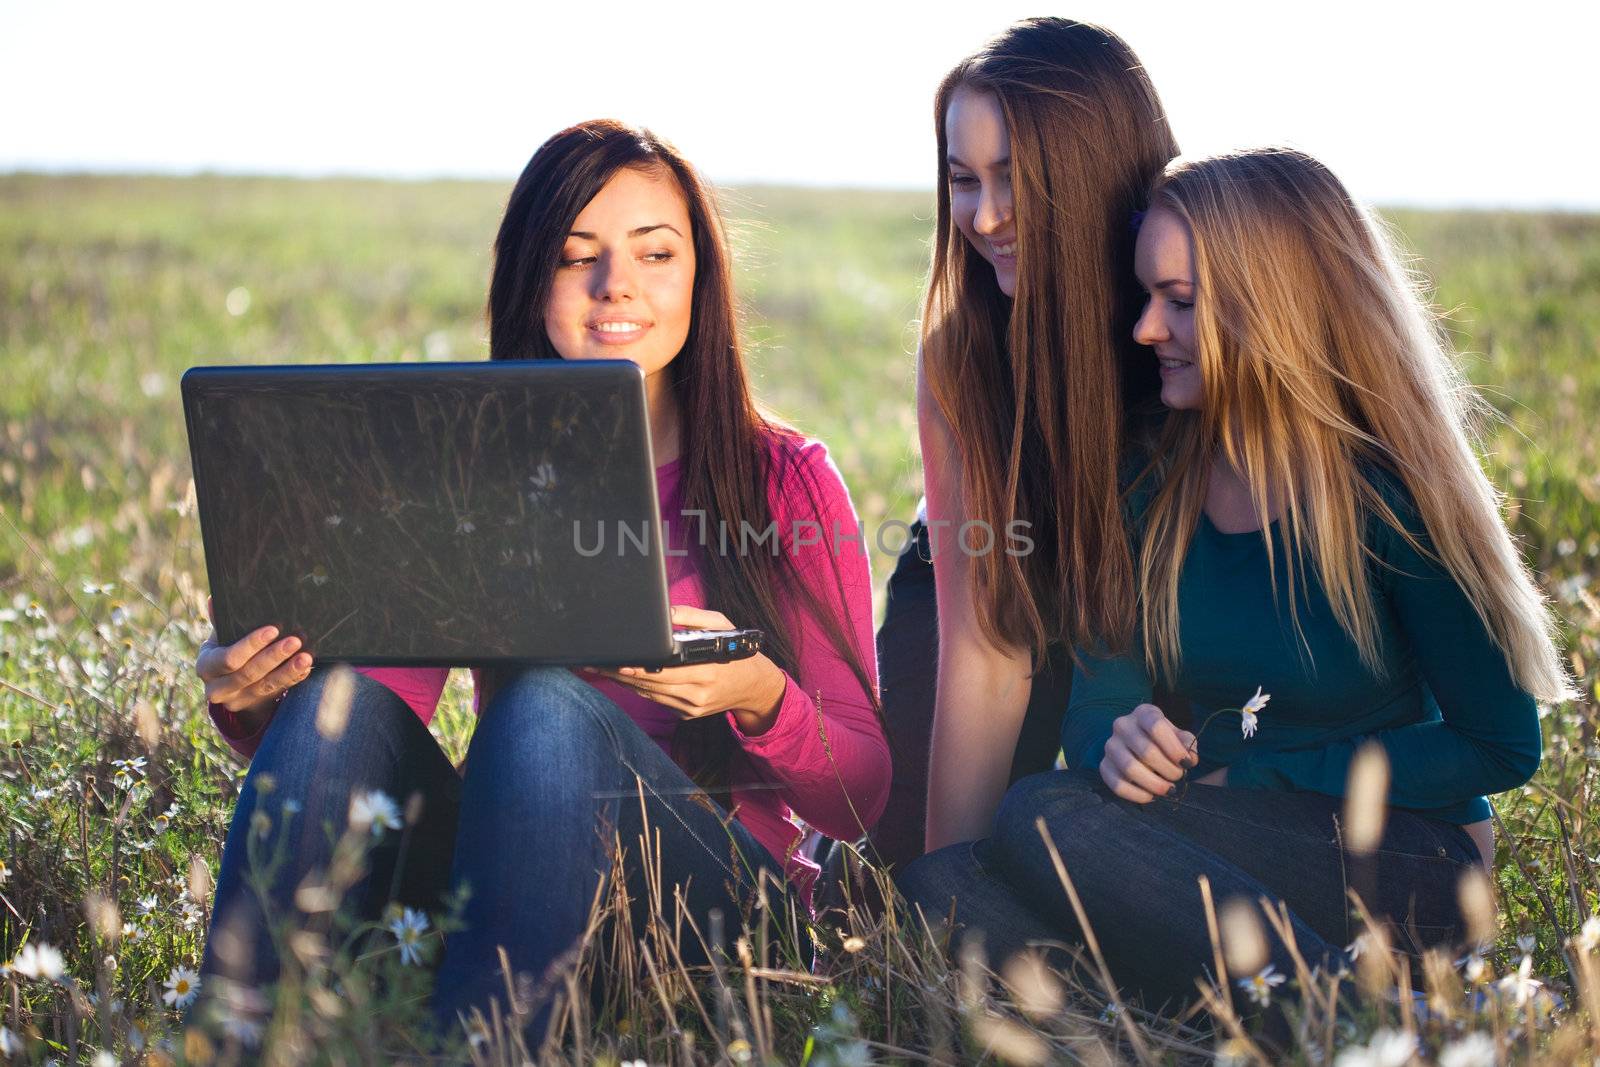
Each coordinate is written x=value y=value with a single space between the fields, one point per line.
x=1474 y=1050
x=1261 y=985
x=1388 y=1048
x=5 y=873
x=1521 y=987
x=374 y=810
x=182 y=985
x=1588 y=938
x=1252 y=708
x=39 y=961
x=147 y=904
x=408 y=929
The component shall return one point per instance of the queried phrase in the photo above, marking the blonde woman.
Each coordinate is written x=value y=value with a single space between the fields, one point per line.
x=1309 y=524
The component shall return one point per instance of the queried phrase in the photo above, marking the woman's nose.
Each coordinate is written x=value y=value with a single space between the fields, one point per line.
x=615 y=279
x=994 y=210
x=1150 y=329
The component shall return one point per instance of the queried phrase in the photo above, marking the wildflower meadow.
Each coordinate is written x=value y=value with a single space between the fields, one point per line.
x=116 y=793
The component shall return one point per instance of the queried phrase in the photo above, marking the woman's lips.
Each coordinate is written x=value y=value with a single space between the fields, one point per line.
x=617 y=331
x=1169 y=365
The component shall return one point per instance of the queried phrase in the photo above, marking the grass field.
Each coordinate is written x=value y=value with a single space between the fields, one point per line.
x=111 y=286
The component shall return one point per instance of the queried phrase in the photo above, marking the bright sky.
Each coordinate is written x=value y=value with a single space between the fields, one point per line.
x=1412 y=103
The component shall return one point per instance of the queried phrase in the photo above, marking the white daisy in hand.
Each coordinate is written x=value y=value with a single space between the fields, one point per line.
x=1252 y=708
x=1261 y=985
x=183 y=985
x=408 y=929
x=374 y=810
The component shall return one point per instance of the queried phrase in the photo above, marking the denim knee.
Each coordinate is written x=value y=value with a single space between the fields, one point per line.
x=1057 y=795
x=297 y=752
x=548 y=715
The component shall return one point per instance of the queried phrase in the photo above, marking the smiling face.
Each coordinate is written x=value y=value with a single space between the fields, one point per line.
x=624 y=286
x=978 y=154
x=1164 y=263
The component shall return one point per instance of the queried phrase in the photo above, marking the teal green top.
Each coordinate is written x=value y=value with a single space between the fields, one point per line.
x=1454 y=723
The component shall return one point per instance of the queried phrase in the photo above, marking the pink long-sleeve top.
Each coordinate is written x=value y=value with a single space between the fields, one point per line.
x=824 y=762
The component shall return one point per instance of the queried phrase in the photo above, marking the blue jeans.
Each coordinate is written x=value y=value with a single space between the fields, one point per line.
x=552 y=778
x=1136 y=870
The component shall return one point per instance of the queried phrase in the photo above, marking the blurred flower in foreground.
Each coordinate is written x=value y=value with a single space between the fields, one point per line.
x=1261 y=985
x=1388 y=1048
x=39 y=961
x=408 y=929
x=1520 y=986
x=1588 y=938
x=1474 y=1050
x=374 y=810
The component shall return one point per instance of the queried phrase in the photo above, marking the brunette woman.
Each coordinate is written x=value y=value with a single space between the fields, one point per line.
x=611 y=247
x=1047 y=139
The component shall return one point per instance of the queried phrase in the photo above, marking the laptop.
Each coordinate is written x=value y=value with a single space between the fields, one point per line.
x=462 y=514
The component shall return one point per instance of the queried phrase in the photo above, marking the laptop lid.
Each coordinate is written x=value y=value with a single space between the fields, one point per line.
x=433 y=513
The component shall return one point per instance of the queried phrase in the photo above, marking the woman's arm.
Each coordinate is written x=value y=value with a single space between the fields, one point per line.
x=983 y=689
x=825 y=747
x=1487 y=739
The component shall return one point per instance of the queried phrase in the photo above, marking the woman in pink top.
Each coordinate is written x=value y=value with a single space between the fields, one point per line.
x=611 y=247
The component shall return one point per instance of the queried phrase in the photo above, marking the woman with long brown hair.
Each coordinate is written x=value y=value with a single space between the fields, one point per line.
x=1321 y=565
x=610 y=247
x=1047 y=138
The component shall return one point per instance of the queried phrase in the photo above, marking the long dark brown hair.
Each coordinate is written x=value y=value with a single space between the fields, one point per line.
x=728 y=458
x=1034 y=387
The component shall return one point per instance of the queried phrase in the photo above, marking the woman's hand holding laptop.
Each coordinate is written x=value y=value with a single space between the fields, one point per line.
x=251 y=675
x=751 y=688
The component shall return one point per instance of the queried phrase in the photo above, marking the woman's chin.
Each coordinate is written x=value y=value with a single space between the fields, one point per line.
x=1180 y=396
x=1006 y=278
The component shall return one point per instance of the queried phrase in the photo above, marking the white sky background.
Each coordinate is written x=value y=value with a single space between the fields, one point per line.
x=1411 y=103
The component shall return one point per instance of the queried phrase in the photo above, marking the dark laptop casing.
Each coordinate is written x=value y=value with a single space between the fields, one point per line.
x=468 y=514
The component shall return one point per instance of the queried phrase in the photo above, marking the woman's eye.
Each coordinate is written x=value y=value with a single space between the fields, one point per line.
x=658 y=257
x=577 y=261
x=962 y=179
x=1182 y=305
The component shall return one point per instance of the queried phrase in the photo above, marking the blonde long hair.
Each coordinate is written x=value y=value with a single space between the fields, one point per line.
x=1319 y=357
x=1034 y=387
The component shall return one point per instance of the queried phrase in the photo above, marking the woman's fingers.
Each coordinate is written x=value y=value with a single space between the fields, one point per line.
x=236 y=695
x=291 y=673
x=1133 y=736
x=690 y=697
x=1111 y=774
x=1136 y=771
x=220 y=689
x=1159 y=744
x=699 y=618
x=217 y=661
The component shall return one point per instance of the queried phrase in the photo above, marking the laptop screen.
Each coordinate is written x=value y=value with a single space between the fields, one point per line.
x=432 y=513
